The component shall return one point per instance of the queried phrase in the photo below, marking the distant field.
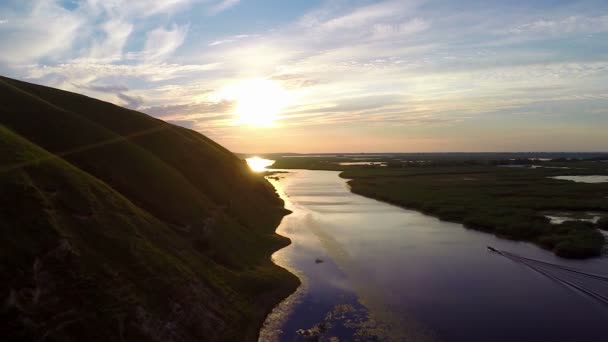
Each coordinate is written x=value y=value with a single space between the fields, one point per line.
x=505 y=194
x=344 y=161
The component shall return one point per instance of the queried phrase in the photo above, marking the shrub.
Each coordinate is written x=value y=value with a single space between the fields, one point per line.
x=581 y=244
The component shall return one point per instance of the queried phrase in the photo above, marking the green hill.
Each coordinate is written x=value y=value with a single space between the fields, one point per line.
x=118 y=226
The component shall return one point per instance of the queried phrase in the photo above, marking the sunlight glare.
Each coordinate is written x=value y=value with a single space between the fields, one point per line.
x=258 y=164
x=259 y=102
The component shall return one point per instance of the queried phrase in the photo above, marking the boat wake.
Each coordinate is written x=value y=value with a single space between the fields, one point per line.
x=593 y=285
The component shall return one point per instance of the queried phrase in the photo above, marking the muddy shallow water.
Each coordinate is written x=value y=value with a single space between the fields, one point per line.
x=373 y=272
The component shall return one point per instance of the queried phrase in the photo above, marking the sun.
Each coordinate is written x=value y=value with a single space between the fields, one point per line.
x=259 y=102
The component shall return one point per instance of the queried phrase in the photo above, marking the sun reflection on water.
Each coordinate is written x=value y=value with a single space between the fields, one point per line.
x=258 y=164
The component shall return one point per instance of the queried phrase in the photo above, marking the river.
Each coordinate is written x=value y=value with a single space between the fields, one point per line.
x=372 y=271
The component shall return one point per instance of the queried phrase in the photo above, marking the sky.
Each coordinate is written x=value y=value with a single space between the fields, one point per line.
x=331 y=75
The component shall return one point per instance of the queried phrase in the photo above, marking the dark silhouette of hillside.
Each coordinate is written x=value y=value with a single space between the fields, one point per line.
x=118 y=226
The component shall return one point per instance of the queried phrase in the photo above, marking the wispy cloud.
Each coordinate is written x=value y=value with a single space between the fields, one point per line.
x=205 y=111
x=44 y=29
x=232 y=39
x=385 y=31
x=110 y=47
x=151 y=72
x=104 y=88
x=338 y=18
x=222 y=6
x=161 y=42
x=135 y=8
x=571 y=24
x=133 y=102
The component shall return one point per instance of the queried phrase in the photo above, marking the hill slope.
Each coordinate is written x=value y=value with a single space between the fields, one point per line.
x=115 y=225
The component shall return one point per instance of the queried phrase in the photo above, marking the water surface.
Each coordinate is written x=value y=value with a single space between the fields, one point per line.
x=373 y=271
x=257 y=164
x=363 y=163
x=584 y=179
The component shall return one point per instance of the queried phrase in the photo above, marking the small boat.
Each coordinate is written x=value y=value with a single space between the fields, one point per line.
x=492 y=249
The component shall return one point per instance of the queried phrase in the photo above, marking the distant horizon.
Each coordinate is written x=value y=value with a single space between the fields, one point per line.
x=429 y=152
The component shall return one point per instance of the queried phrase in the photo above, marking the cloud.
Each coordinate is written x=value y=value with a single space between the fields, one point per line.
x=220 y=42
x=106 y=88
x=413 y=75
x=384 y=31
x=568 y=25
x=355 y=64
x=190 y=111
x=118 y=91
x=207 y=115
x=358 y=17
x=43 y=29
x=93 y=71
x=110 y=48
x=161 y=42
x=93 y=29
x=295 y=81
x=222 y=6
x=132 y=102
x=232 y=39
x=135 y=8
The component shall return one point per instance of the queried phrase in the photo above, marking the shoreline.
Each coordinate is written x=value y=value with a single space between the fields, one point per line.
x=395 y=202
x=288 y=320
x=269 y=301
x=288 y=283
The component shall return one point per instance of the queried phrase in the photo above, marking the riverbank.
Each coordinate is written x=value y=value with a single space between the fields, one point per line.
x=508 y=202
x=392 y=274
x=284 y=285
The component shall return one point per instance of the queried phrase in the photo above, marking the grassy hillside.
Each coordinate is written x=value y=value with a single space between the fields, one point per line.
x=116 y=225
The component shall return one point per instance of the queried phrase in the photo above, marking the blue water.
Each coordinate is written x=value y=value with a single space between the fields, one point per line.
x=394 y=274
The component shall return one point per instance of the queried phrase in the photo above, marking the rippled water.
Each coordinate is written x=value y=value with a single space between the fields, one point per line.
x=373 y=271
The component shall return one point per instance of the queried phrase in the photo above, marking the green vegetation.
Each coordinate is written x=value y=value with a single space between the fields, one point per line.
x=507 y=194
x=505 y=201
x=423 y=160
x=117 y=226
